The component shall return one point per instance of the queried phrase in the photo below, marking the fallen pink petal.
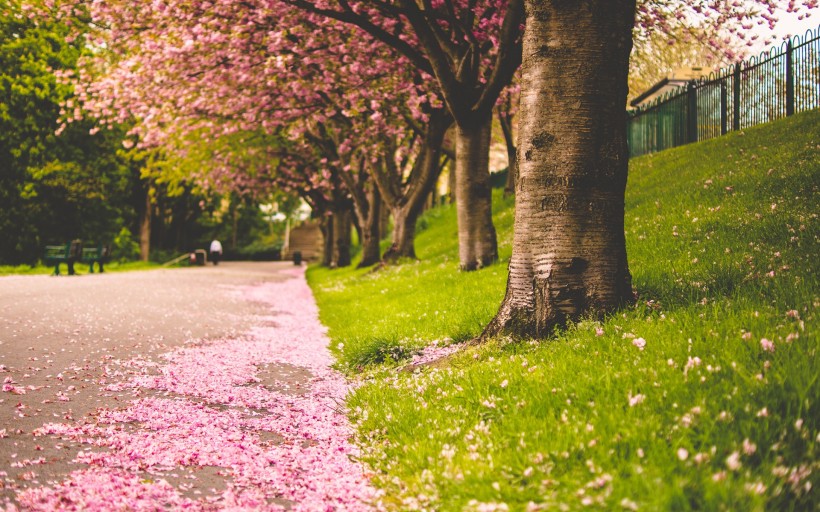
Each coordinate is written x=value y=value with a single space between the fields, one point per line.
x=206 y=408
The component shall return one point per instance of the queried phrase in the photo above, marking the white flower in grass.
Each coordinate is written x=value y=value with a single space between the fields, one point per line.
x=636 y=399
x=683 y=454
x=628 y=504
x=733 y=461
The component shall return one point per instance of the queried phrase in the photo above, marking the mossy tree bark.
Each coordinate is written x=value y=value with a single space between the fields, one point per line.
x=569 y=251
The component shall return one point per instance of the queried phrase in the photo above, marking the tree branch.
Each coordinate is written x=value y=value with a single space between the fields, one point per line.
x=508 y=58
x=349 y=16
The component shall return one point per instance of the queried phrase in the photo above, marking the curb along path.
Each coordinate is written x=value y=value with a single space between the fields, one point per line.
x=248 y=423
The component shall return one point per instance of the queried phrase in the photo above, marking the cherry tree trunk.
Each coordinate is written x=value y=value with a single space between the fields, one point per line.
x=512 y=167
x=406 y=210
x=384 y=220
x=451 y=182
x=145 y=226
x=342 y=225
x=326 y=224
x=404 y=235
x=370 y=228
x=569 y=252
x=477 y=246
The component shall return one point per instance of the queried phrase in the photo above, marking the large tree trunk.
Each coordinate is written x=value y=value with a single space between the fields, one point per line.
x=342 y=225
x=477 y=245
x=370 y=229
x=145 y=225
x=569 y=251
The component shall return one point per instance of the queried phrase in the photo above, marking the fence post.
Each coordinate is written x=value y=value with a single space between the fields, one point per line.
x=736 y=91
x=789 y=79
x=724 y=114
x=692 y=112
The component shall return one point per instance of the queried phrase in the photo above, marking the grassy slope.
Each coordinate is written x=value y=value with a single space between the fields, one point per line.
x=723 y=243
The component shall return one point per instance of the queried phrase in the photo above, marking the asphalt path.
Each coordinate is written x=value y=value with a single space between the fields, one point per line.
x=60 y=337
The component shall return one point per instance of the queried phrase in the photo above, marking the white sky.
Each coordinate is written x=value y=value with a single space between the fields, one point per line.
x=789 y=25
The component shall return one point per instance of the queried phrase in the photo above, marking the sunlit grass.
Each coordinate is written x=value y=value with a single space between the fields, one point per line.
x=701 y=397
x=79 y=268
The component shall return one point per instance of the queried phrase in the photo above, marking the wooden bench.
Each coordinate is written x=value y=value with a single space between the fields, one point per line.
x=68 y=254
x=98 y=255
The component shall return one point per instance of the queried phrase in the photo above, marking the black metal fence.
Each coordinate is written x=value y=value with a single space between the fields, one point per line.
x=778 y=83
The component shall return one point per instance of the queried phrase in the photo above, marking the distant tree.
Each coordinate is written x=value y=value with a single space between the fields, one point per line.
x=52 y=188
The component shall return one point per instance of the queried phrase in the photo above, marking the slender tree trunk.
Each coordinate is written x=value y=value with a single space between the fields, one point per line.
x=404 y=235
x=477 y=245
x=326 y=224
x=451 y=181
x=384 y=220
x=145 y=225
x=512 y=169
x=342 y=225
x=406 y=209
x=569 y=251
x=370 y=227
x=234 y=226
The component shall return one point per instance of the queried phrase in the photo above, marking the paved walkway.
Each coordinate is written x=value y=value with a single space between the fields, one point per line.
x=204 y=388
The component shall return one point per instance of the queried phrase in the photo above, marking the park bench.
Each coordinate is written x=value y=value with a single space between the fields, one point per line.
x=98 y=255
x=74 y=252
x=57 y=254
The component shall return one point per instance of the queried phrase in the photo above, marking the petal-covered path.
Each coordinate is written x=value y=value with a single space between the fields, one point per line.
x=247 y=421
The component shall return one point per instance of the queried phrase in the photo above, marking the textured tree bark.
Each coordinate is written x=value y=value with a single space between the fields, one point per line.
x=505 y=121
x=451 y=182
x=569 y=251
x=477 y=246
x=402 y=243
x=326 y=223
x=406 y=205
x=342 y=224
x=370 y=228
x=145 y=225
x=384 y=220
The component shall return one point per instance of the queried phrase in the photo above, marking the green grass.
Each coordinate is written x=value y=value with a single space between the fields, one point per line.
x=80 y=268
x=723 y=246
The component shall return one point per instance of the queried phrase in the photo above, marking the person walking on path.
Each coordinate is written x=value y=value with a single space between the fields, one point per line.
x=216 y=251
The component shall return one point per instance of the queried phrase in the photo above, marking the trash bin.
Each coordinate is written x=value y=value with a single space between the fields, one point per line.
x=199 y=256
x=297 y=258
